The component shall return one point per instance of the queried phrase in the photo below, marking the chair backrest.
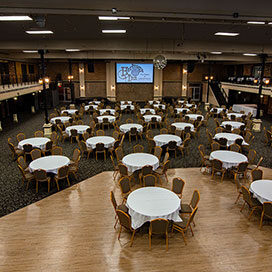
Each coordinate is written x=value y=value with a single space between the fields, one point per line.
x=49 y=145
x=129 y=121
x=149 y=134
x=123 y=169
x=113 y=200
x=38 y=133
x=138 y=148
x=76 y=155
x=242 y=167
x=191 y=217
x=149 y=180
x=54 y=137
x=147 y=169
x=56 y=150
x=256 y=174
x=239 y=141
x=73 y=132
x=172 y=145
x=178 y=185
x=166 y=166
x=22 y=171
x=40 y=175
x=164 y=131
x=259 y=162
x=106 y=120
x=100 y=147
x=166 y=157
x=63 y=171
x=82 y=146
x=35 y=154
x=158 y=152
x=201 y=148
x=119 y=153
x=133 y=131
x=223 y=141
x=217 y=164
x=246 y=195
x=159 y=226
x=124 y=219
x=251 y=156
x=21 y=136
x=267 y=209
x=85 y=135
x=115 y=135
x=124 y=184
x=215 y=146
x=186 y=142
x=234 y=147
x=21 y=161
x=195 y=199
x=228 y=128
x=100 y=132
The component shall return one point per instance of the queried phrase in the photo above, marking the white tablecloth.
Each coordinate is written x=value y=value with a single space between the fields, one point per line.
x=159 y=106
x=179 y=110
x=182 y=125
x=123 y=107
x=63 y=119
x=190 y=105
x=262 y=190
x=95 y=102
x=233 y=124
x=137 y=161
x=125 y=102
x=110 y=111
x=246 y=108
x=151 y=102
x=126 y=127
x=181 y=101
x=143 y=111
x=148 y=117
x=80 y=129
x=218 y=110
x=110 y=117
x=146 y=204
x=237 y=115
x=228 y=158
x=73 y=111
x=38 y=142
x=106 y=140
x=88 y=106
x=50 y=164
x=164 y=139
x=194 y=116
x=231 y=137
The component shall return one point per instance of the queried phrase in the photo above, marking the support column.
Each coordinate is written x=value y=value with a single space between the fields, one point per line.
x=157 y=84
x=263 y=58
x=184 y=80
x=82 y=90
x=110 y=81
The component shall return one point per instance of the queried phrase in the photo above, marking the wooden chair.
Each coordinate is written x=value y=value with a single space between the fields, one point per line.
x=177 y=186
x=20 y=136
x=162 y=171
x=100 y=149
x=125 y=187
x=158 y=152
x=21 y=161
x=235 y=147
x=73 y=166
x=84 y=149
x=116 y=135
x=188 y=208
x=251 y=156
x=149 y=180
x=115 y=167
x=129 y=121
x=172 y=147
x=267 y=212
x=38 y=133
x=165 y=159
x=73 y=135
x=54 y=138
x=133 y=133
x=105 y=123
x=26 y=176
x=56 y=150
x=163 y=131
x=16 y=152
x=217 y=166
x=41 y=176
x=253 y=166
x=100 y=132
x=119 y=153
x=218 y=130
x=183 y=226
x=48 y=148
x=215 y=146
x=138 y=148
x=256 y=174
x=35 y=154
x=121 y=207
x=158 y=226
x=63 y=173
x=151 y=145
x=223 y=143
x=27 y=149
x=241 y=169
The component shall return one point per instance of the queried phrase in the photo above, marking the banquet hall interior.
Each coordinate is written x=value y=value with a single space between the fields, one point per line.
x=135 y=135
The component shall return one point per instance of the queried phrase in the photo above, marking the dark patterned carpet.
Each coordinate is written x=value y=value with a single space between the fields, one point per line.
x=13 y=194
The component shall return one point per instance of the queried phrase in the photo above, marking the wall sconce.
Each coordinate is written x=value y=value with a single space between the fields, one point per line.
x=81 y=70
x=261 y=96
x=82 y=88
x=40 y=81
x=70 y=77
x=239 y=92
x=112 y=87
x=156 y=88
x=267 y=81
x=184 y=71
x=46 y=80
x=33 y=94
x=209 y=77
x=184 y=87
x=15 y=98
x=255 y=81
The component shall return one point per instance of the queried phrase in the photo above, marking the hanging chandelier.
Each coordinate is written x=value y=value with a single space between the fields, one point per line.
x=160 y=62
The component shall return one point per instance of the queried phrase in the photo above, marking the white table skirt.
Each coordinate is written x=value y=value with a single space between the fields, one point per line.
x=181 y=101
x=164 y=139
x=143 y=111
x=146 y=204
x=63 y=119
x=137 y=161
x=229 y=158
x=125 y=102
x=262 y=190
x=237 y=115
x=38 y=142
x=179 y=110
x=231 y=137
x=182 y=125
x=148 y=117
x=95 y=102
x=110 y=111
x=110 y=117
x=219 y=110
x=246 y=108
x=190 y=105
x=69 y=111
x=126 y=127
x=106 y=140
x=79 y=128
x=233 y=124
x=50 y=164
x=159 y=105
x=194 y=116
x=88 y=106
x=123 y=107
x=151 y=102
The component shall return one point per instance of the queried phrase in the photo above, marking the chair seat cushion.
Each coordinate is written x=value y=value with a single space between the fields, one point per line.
x=29 y=175
x=185 y=208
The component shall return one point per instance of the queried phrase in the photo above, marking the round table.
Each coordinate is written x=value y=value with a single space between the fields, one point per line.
x=95 y=102
x=148 y=117
x=110 y=111
x=106 y=140
x=148 y=203
x=231 y=137
x=69 y=111
x=159 y=106
x=79 y=128
x=219 y=110
x=137 y=161
x=179 y=110
x=125 y=102
x=194 y=116
x=182 y=125
x=181 y=101
x=237 y=115
x=63 y=119
x=262 y=190
x=110 y=118
x=164 y=139
x=88 y=107
x=126 y=127
x=190 y=105
x=38 y=142
x=233 y=124
x=143 y=111
x=228 y=158
x=123 y=107
x=50 y=164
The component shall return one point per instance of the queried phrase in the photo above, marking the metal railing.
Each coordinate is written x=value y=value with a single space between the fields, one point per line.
x=8 y=81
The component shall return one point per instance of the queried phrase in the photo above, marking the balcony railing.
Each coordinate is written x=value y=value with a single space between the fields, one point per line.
x=9 y=81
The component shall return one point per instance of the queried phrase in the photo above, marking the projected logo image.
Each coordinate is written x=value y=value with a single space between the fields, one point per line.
x=133 y=73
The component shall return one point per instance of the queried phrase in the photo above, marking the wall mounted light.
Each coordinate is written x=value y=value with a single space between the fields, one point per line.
x=239 y=92
x=156 y=88
x=184 y=87
x=45 y=80
x=184 y=71
x=267 y=81
x=70 y=77
x=261 y=96
x=112 y=87
x=81 y=70
x=255 y=81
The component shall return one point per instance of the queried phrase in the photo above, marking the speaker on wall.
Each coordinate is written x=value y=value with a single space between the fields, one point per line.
x=190 y=66
x=90 y=65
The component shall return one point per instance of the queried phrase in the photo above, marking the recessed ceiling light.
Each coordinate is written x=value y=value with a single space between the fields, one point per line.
x=15 y=18
x=230 y=34
x=39 y=32
x=114 y=31
x=256 y=23
x=30 y=51
x=216 y=52
x=250 y=54
x=72 y=50
x=112 y=18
